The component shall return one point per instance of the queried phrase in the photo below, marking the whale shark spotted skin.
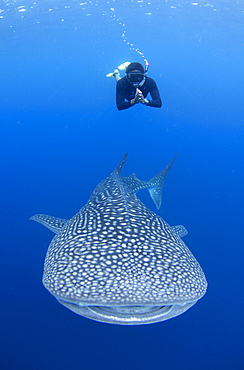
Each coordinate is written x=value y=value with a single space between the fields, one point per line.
x=116 y=261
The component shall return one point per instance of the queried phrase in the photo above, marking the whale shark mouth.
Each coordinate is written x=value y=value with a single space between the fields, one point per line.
x=128 y=315
x=131 y=313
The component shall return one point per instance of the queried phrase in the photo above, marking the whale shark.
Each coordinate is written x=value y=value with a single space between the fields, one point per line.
x=118 y=262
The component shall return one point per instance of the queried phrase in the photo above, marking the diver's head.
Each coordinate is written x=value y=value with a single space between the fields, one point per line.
x=135 y=74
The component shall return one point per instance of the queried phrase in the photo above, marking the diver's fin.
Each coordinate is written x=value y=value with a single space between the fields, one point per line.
x=123 y=66
x=52 y=223
x=179 y=230
x=112 y=74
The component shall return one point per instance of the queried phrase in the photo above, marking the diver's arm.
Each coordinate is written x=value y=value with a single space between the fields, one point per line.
x=120 y=97
x=156 y=100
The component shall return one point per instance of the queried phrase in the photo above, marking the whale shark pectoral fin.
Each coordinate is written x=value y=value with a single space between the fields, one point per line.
x=52 y=223
x=179 y=230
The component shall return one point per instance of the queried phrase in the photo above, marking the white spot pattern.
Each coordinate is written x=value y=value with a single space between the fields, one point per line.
x=116 y=251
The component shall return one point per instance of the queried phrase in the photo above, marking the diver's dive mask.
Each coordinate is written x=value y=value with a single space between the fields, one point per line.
x=136 y=78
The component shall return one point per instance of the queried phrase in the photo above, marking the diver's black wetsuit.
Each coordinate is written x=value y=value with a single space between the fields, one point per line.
x=124 y=90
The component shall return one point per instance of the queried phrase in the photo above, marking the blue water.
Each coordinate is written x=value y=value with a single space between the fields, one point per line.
x=61 y=134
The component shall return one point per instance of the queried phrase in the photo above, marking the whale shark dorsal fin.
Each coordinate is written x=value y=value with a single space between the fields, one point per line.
x=54 y=224
x=155 y=185
x=118 y=169
x=133 y=176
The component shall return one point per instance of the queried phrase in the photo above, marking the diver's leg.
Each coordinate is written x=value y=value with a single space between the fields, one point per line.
x=116 y=75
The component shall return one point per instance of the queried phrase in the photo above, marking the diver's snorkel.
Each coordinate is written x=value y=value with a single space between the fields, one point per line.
x=144 y=75
x=142 y=82
x=146 y=67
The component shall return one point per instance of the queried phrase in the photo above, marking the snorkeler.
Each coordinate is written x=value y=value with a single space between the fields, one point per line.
x=135 y=86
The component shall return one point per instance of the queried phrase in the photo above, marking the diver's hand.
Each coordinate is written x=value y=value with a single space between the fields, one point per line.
x=141 y=97
x=137 y=97
x=134 y=101
x=143 y=100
